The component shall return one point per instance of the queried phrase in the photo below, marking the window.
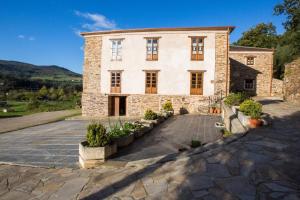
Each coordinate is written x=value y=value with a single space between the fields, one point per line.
x=115 y=85
x=249 y=84
x=152 y=48
x=197 y=48
x=151 y=82
x=250 y=60
x=196 y=83
x=116 y=49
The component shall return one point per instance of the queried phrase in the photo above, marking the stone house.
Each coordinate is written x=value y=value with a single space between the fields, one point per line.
x=127 y=71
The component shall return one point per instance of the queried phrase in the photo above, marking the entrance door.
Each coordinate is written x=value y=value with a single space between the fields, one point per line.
x=117 y=105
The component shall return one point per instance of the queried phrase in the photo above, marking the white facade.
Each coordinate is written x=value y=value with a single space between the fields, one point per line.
x=174 y=62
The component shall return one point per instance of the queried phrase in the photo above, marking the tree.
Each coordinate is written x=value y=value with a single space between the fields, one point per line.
x=289 y=43
x=43 y=92
x=262 y=35
x=290 y=8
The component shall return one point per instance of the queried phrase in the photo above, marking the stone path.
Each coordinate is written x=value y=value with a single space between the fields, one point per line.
x=262 y=165
x=16 y=123
x=174 y=134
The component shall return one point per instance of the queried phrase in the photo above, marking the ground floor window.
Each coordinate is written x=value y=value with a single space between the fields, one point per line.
x=249 y=84
x=196 y=83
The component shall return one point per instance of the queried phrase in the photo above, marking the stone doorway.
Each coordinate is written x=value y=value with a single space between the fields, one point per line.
x=117 y=105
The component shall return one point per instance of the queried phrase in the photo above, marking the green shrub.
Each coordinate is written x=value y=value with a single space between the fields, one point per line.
x=235 y=99
x=150 y=115
x=195 y=143
x=117 y=131
x=251 y=108
x=168 y=106
x=226 y=133
x=97 y=136
x=132 y=126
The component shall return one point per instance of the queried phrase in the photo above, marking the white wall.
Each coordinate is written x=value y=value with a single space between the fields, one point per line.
x=174 y=61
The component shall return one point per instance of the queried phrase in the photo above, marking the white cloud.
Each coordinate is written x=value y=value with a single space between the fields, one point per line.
x=97 y=21
x=23 y=37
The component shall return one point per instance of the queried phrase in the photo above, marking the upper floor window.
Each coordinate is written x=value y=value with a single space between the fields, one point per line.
x=197 y=48
x=151 y=82
x=250 y=60
x=152 y=48
x=115 y=82
x=116 y=49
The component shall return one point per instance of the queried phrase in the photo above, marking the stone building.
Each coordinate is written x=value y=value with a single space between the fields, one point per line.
x=291 y=81
x=251 y=70
x=127 y=71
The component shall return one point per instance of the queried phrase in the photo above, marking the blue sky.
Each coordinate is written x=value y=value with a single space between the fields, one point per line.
x=46 y=32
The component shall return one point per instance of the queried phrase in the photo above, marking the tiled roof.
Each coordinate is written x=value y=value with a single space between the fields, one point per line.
x=213 y=28
x=243 y=48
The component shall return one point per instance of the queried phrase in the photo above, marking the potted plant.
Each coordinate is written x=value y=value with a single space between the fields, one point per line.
x=233 y=100
x=168 y=108
x=97 y=147
x=121 y=135
x=254 y=110
x=137 y=128
x=150 y=117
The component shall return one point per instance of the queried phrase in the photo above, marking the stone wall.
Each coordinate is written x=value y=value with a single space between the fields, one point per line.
x=277 y=88
x=222 y=68
x=292 y=81
x=261 y=72
x=94 y=105
x=232 y=123
x=137 y=104
x=91 y=95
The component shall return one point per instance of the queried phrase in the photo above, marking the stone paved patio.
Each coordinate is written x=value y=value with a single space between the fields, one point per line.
x=56 y=144
x=262 y=165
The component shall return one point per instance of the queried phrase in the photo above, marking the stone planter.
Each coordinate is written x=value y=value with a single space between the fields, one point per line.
x=93 y=156
x=244 y=119
x=125 y=140
x=235 y=109
x=154 y=122
x=142 y=131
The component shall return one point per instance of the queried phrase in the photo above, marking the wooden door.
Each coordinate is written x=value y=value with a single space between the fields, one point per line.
x=196 y=83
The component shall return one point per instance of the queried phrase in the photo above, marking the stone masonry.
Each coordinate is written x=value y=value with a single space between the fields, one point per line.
x=277 y=88
x=222 y=67
x=261 y=72
x=292 y=81
x=137 y=104
x=93 y=103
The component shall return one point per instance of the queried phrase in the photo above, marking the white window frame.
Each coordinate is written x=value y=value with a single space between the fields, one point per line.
x=252 y=84
x=116 y=50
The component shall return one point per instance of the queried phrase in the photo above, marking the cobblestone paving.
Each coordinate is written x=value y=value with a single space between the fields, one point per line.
x=262 y=165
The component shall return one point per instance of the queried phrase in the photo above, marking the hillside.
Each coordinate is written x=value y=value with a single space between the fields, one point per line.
x=34 y=72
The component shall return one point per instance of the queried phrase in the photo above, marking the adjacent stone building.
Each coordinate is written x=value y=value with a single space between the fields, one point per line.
x=291 y=88
x=128 y=71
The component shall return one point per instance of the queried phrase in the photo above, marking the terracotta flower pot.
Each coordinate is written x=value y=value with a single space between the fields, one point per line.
x=254 y=123
x=211 y=110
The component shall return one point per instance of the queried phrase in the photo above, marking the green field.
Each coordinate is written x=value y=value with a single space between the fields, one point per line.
x=20 y=108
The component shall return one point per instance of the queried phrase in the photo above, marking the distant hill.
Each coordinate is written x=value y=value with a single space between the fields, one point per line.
x=35 y=72
x=24 y=76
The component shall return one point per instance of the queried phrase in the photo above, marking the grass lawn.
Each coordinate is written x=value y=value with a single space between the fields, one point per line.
x=19 y=108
